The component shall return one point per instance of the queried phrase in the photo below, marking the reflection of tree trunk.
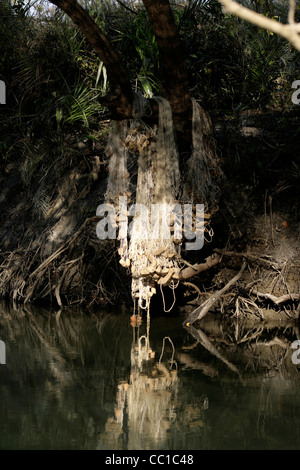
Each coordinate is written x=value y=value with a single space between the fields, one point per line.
x=147 y=401
x=150 y=407
x=149 y=397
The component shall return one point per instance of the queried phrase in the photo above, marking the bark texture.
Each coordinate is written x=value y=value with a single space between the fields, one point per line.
x=119 y=100
x=175 y=80
x=174 y=77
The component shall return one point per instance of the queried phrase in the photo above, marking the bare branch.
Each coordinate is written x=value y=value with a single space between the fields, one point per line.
x=278 y=300
x=127 y=7
x=291 y=15
x=195 y=269
x=288 y=31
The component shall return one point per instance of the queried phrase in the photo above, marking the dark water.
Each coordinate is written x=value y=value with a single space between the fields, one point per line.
x=79 y=381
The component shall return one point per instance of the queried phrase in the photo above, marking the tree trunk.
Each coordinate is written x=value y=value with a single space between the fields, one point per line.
x=119 y=100
x=175 y=83
x=175 y=80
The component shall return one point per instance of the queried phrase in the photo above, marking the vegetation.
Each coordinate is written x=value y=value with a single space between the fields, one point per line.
x=55 y=78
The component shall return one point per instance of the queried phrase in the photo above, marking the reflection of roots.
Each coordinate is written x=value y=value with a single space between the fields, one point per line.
x=263 y=349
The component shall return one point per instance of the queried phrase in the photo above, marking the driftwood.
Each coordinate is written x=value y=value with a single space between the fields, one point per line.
x=203 y=309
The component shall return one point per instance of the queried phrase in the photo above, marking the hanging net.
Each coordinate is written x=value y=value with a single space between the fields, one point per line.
x=202 y=170
x=144 y=167
x=152 y=250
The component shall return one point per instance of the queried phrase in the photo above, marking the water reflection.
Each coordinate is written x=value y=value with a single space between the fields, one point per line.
x=57 y=384
x=92 y=381
x=146 y=405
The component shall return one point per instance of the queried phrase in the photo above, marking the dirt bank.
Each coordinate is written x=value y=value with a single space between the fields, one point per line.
x=50 y=251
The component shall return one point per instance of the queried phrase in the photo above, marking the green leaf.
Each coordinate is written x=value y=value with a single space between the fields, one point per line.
x=146 y=87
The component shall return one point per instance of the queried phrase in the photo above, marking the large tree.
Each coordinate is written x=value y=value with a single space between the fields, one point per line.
x=175 y=82
x=174 y=162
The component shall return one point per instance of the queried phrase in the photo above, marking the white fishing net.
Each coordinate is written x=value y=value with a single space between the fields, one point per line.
x=202 y=170
x=152 y=246
x=152 y=251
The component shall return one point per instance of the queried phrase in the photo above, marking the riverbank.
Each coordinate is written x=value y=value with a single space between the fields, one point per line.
x=50 y=251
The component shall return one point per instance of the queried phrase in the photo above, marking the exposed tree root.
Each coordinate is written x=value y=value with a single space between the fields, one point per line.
x=277 y=300
x=255 y=296
x=203 y=310
x=193 y=286
x=264 y=260
x=25 y=276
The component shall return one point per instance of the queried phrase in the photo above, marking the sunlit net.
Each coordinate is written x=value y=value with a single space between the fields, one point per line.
x=151 y=249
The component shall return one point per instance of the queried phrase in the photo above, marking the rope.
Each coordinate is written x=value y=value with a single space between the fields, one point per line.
x=163 y=297
x=163 y=350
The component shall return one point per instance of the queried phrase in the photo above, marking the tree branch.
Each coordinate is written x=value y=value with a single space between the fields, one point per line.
x=288 y=31
x=277 y=300
x=203 y=309
x=195 y=269
x=127 y=7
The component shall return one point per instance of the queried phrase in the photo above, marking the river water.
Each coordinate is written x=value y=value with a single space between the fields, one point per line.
x=82 y=380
